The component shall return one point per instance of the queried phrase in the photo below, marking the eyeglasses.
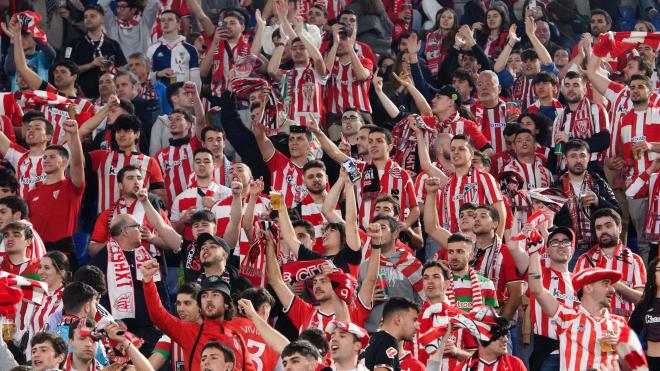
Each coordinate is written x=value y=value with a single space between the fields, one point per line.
x=563 y=243
x=136 y=225
x=349 y=118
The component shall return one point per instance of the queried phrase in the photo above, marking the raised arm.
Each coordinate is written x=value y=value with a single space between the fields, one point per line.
x=368 y=285
x=33 y=80
x=254 y=190
x=93 y=122
x=196 y=10
x=5 y=143
x=548 y=303
x=330 y=202
x=331 y=54
x=598 y=81
x=257 y=42
x=431 y=223
x=276 y=58
x=76 y=159
x=207 y=62
x=171 y=239
x=541 y=51
x=326 y=144
x=274 y=274
x=352 y=235
x=273 y=338
x=233 y=230
x=314 y=53
x=421 y=102
x=266 y=147
x=423 y=153
x=287 y=232
x=503 y=58
x=140 y=362
x=360 y=72
x=389 y=106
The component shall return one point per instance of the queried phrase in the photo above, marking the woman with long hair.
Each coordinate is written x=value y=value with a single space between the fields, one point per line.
x=439 y=40
x=494 y=31
x=541 y=126
x=646 y=316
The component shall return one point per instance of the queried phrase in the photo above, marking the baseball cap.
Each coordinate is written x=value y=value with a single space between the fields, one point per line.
x=351 y=328
x=202 y=238
x=215 y=283
x=563 y=230
x=449 y=91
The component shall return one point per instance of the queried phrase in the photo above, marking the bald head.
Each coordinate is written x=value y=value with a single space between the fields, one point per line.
x=120 y=223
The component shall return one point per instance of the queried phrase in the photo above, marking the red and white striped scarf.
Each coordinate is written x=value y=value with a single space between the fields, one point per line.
x=435 y=51
x=225 y=57
x=311 y=212
x=613 y=44
x=37 y=315
x=477 y=299
x=405 y=143
x=29 y=21
x=121 y=291
x=33 y=291
x=629 y=348
x=574 y=205
x=133 y=22
x=406 y=264
x=580 y=125
x=93 y=366
x=43 y=97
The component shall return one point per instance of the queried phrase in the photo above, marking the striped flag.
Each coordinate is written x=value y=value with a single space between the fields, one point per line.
x=29 y=21
x=41 y=97
x=613 y=44
x=631 y=351
x=33 y=291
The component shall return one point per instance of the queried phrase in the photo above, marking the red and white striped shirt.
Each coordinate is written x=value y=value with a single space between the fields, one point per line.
x=192 y=197
x=503 y=363
x=176 y=163
x=36 y=315
x=561 y=287
x=587 y=120
x=491 y=122
x=476 y=187
x=29 y=169
x=9 y=107
x=618 y=96
x=534 y=175
x=223 y=62
x=220 y=173
x=622 y=260
x=579 y=331
x=536 y=107
x=56 y=115
x=495 y=263
x=394 y=181
x=286 y=178
x=344 y=90
x=643 y=186
x=455 y=125
x=311 y=212
x=222 y=210
x=523 y=91
x=636 y=127
x=302 y=93
x=171 y=350
x=108 y=163
x=304 y=315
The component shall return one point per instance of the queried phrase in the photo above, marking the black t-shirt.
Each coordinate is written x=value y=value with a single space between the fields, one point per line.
x=344 y=257
x=83 y=51
x=382 y=351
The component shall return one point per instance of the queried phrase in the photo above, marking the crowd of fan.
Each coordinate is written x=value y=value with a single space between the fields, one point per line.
x=329 y=185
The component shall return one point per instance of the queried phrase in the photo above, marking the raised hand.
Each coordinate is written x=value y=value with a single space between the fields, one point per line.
x=149 y=270
x=142 y=195
x=70 y=127
x=403 y=79
x=236 y=189
x=313 y=125
x=432 y=185
x=246 y=308
x=375 y=232
x=256 y=186
x=513 y=36
x=530 y=26
x=377 y=83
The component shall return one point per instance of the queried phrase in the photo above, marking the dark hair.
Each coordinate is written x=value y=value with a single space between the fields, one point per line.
x=89 y=323
x=392 y=200
x=491 y=211
x=170 y=11
x=202 y=215
x=75 y=295
x=48 y=127
x=598 y=11
x=172 y=90
x=450 y=38
x=302 y=347
x=317 y=338
x=94 y=7
x=339 y=227
x=30 y=115
x=235 y=14
x=127 y=106
x=93 y=276
x=542 y=122
x=211 y=128
x=460 y=237
x=186 y=114
x=465 y=138
x=642 y=66
x=313 y=164
x=528 y=54
x=483 y=36
x=513 y=128
x=525 y=131
x=226 y=351
x=392 y=223
x=576 y=144
x=485 y=160
x=446 y=273
x=60 y=263
x=258 y=296
x=8 y=180
x=126 y=169
x=573 y=75
x=203 y=150
x=463 y=74
x=398 y=304
x=60 y=150
x=644 y=78
x=19 y=226
x=69 y=65
x=16 y=204
x=647 y=24
x=190 y=288
x=127 y=122
x=543 y=77
x=57 y=342
x=309 y=228
x=649 y=295
x=387 y=133
x=467 y=206
x=346 y=12
x=606 y=212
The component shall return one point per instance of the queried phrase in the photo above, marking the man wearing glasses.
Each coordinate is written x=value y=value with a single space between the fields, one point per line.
x=557 y=280
x=121 y=261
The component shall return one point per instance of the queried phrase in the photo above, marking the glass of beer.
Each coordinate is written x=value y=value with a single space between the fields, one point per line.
x=275 y=200
x=8 y=328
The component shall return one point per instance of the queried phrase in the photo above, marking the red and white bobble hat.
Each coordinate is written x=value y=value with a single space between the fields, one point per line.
x=591 y=275
x=351 y=328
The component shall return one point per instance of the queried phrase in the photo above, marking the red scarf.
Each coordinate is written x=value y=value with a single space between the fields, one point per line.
x=241 y=49
x=435 y=51
x=133 y=22
x=68 y=365
x=579 y=214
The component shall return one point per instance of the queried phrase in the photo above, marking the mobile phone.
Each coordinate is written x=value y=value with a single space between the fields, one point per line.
x=222 y=25
x=352 y=170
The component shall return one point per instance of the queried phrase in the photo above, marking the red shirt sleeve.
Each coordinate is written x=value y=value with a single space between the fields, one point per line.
x=509 y=271
x=8 y=128
x=278 y=162
x=155 y=174
x=477 y=137
x=100 y=232
x=300 y=312
x=97 y=157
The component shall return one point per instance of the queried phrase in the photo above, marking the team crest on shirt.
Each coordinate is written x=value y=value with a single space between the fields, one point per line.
x=56 y=193
x=391 y=352
x=113 y=170
x=395 y=172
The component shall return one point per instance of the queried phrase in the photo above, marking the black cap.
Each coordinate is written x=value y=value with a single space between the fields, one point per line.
x=209 y=237
x=563 y=230
x=449 y=91
x=298 y=129
x=215 y=283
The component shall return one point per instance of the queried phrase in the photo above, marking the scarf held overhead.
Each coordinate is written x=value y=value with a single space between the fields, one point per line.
x=613 y=44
